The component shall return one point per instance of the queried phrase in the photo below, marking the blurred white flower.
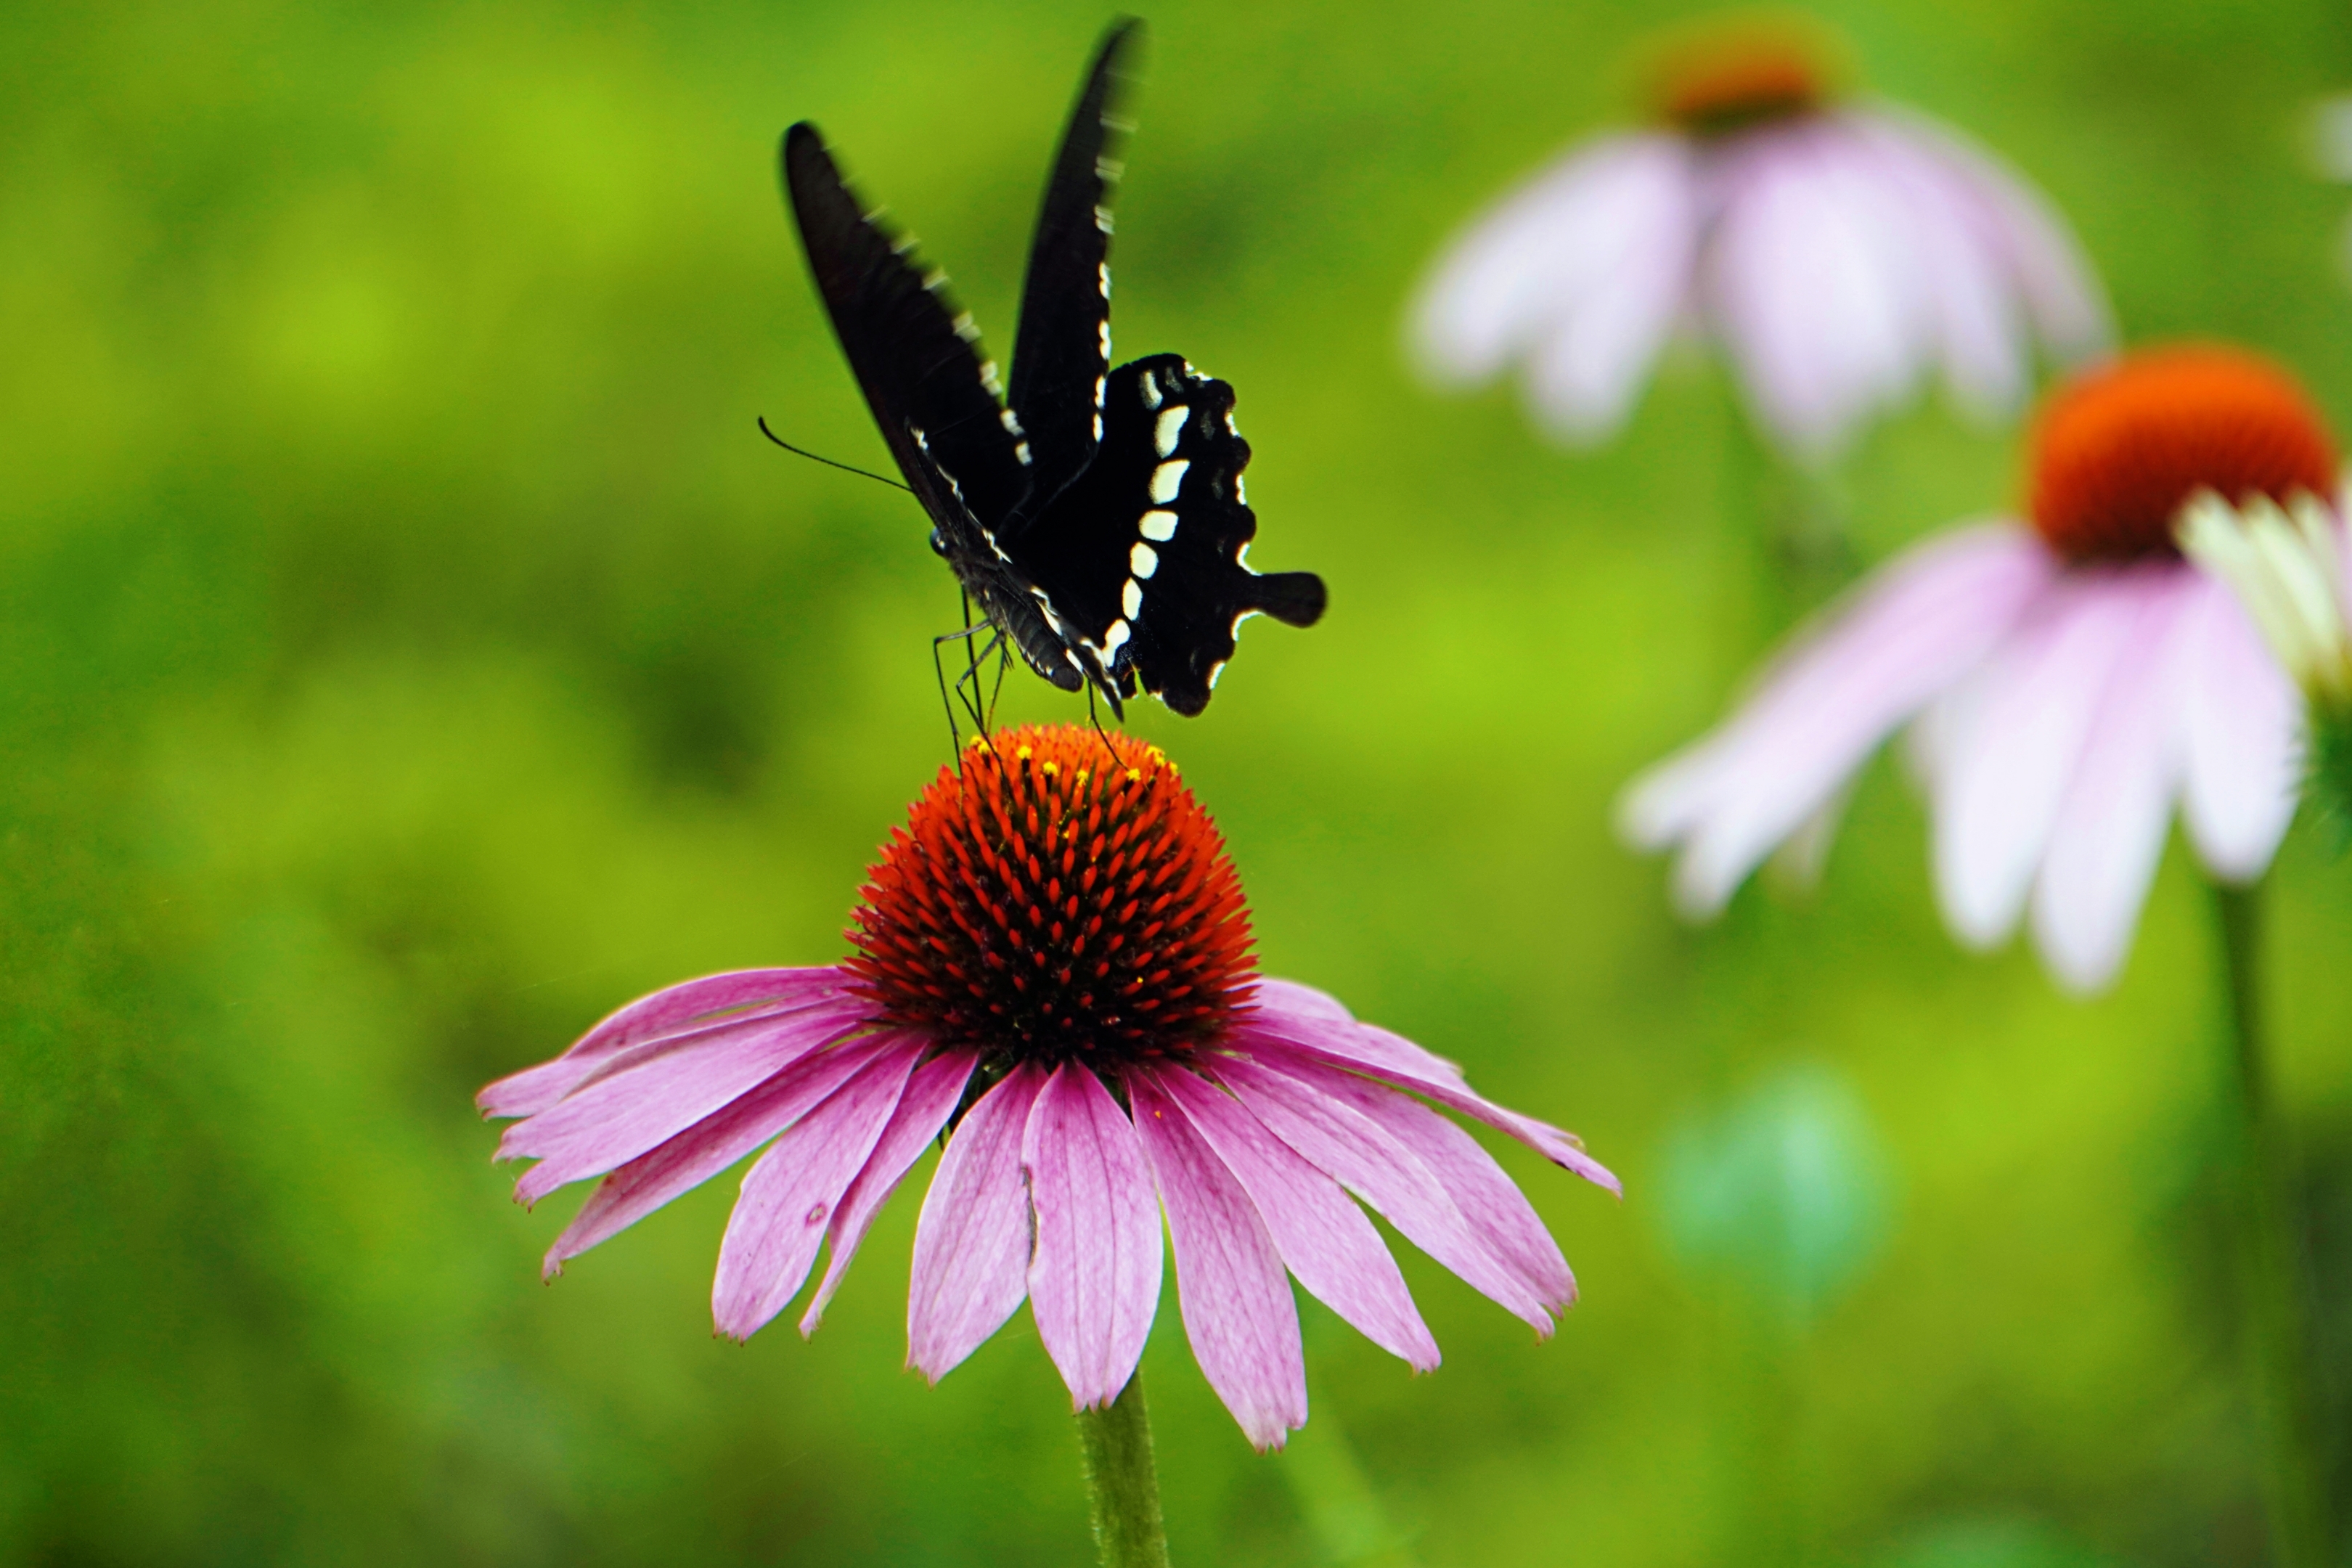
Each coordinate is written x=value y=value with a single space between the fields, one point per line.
x=2286 y=565
x=2071 y=680
x=1836 y=250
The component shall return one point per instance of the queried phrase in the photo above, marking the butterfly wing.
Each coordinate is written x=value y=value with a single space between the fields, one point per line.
x=1062 y=351
x=913 y=351
x=1141 y=556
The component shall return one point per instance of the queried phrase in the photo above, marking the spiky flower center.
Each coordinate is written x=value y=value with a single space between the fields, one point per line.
x=2117 y=453
x=1728 y=81
x=1059 y=895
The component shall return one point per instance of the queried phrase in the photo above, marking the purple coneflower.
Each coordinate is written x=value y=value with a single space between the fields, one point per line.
x=1837 y=249
x=2072 y=678
x=1053 y=965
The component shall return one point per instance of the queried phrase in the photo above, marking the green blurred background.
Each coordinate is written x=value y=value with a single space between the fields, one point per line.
x=409 y=650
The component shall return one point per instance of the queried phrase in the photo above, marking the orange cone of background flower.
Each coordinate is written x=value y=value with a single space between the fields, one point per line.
x=2071 y=677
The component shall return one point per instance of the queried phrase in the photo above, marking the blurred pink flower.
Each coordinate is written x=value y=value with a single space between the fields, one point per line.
x=2071 y=680
x=1061 y=953
x=1837 y=251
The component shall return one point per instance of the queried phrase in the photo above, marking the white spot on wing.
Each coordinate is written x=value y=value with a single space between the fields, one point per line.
x=1102 y=218
x=1166 y=478
x=1143 y=560
x=1151 y=391
x=1012 y=420
x=1165 y=433
x=1020 y=450
x=1130 y=598
x=1113 y=640
x=1104 y=272
x=1108 y=169
x=1159 y=527
x=963 y=327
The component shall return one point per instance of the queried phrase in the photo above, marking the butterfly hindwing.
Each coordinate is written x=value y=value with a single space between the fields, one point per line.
x=913 y=351
x=1141 y=556
x=1062 y=351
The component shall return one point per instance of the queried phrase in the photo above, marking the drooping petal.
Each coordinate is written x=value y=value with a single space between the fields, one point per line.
x=2110 y=830
x=1965 y=269
x=1587 y=266
x=1376 y=1052
x=678 y=1009
x=1374 y=1164
x=1497 y=1210
x=617 y=1118
x=2241 y=718
x=2056 y=281
x=930 y=1099
x=1322 y=1235
x=1239 y=1316
x=972 y=1242
x=1094 y=1280
x=789 y=1196
x=1813 y=280
x=711 y=1145
x=1908 y=633
x=2014 y=739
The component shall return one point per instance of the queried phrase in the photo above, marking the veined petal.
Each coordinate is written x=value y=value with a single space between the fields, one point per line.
x=684 y=1008
x=1377 y=1053
x=2241 y=717
x=2110 y=830
x=617 y=1118
x=930 y=1099
x=789 y=1196
x=1499 y=1212
x=1374 y=1164
x=972 y=1242
x=2015 y=738
x=1094 y=1280
x=711 y=1145
x=1238 y=1314
x=1911 y=631
x=1323 y=1237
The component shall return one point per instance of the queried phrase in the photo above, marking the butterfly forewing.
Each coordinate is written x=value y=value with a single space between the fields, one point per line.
x=913 y=350
x=1141 y=556
x=1062 y=351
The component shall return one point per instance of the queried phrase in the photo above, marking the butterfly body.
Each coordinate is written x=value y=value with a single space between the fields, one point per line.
x=1093 y=516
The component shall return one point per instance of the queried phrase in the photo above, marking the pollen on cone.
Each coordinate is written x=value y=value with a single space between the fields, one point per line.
x=2117 y=452
x=1059 y=895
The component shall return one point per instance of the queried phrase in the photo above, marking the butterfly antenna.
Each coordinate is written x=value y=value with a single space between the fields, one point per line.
x=828 y=462
x=1100 y=733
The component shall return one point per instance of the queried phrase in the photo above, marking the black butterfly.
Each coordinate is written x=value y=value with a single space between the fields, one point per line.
x=1095 y=515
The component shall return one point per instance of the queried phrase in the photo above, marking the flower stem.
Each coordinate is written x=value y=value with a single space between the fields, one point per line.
x=1116 y=1444
x=2270 y=1264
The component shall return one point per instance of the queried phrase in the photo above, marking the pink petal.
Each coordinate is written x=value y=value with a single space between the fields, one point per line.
x=615 y=1118
x=1373 y=1163
x=2241 y=718
x=790 y=1196
x=1369 y=1049
x=1911 y=631
x=1094 y=1282
x=711 y=1145
x=1587 y=265
x=2060 y=289
x=1965 y=268
x=2015 y=738
x=1813 y=278
x=1323 y=1237
x=2110 y=831
x=1499 y=1212
x=972 y=1242
x=1238 y=1312
x=930 y=1097
x=678 y=1009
